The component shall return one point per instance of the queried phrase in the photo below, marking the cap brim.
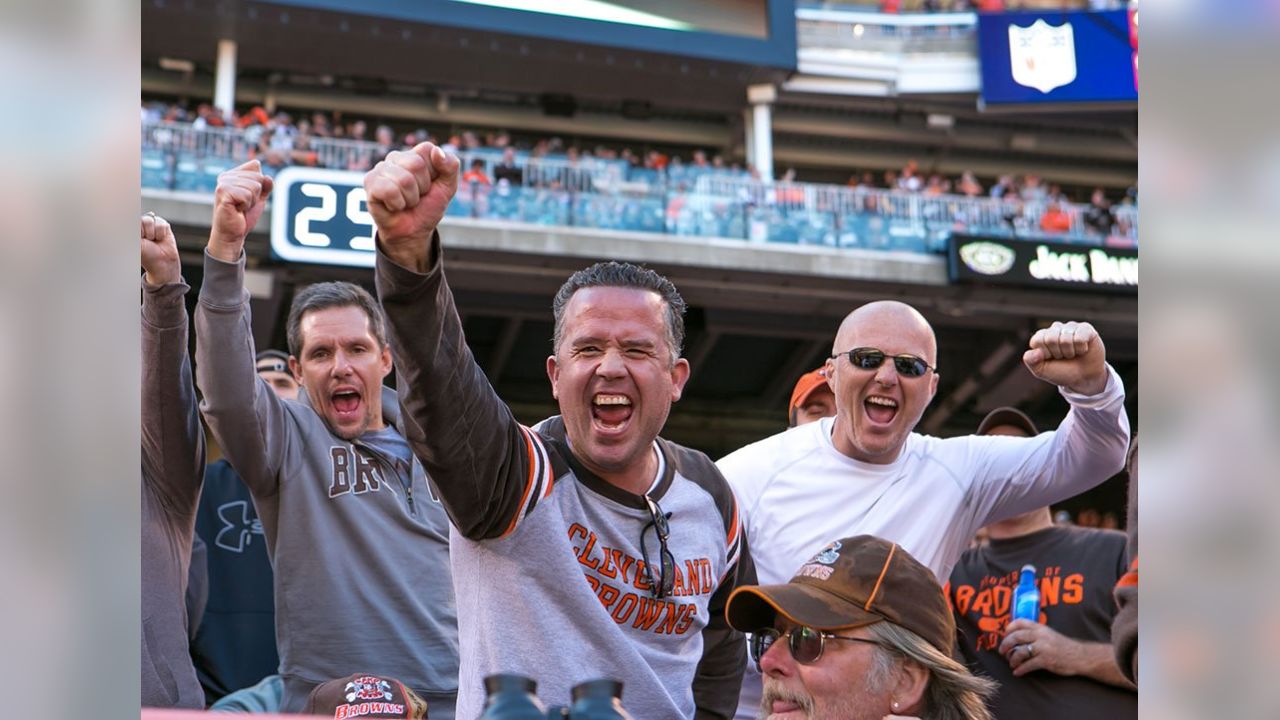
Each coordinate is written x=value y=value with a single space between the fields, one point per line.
x=753 y=607
x=1008 y=416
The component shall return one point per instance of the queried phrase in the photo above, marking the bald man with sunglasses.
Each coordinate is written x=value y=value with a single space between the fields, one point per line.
x=866 y=471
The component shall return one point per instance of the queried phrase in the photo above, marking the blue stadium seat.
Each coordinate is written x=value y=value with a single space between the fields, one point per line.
x=186 y=173
x=156 y=170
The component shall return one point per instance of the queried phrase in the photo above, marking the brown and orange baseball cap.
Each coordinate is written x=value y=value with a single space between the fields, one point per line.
x=365 y=696
x=805 y=386
x=852 y=582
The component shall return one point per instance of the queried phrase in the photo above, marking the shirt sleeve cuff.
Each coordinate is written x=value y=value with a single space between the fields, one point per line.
x=223 y=284
x=162 y=305
x=1113 y=390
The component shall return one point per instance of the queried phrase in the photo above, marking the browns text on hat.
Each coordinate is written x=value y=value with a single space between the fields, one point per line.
x=365 y=696
x=852 y=582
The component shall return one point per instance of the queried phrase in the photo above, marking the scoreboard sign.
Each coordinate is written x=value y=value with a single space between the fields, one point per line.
x=321 y=216
x=1031 y=263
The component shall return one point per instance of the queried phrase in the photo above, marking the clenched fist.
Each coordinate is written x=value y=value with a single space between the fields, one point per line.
x=238 y=202
x=1069 y=355
x=408 y=193
x=159 y=251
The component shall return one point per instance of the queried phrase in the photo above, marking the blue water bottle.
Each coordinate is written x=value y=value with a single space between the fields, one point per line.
x=1026 y=597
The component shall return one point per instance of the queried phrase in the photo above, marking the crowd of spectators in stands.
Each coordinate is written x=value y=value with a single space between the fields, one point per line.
x=279 y=140
x=1099 y=216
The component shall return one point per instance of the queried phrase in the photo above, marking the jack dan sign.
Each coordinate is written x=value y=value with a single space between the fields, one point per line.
x=1031 y=263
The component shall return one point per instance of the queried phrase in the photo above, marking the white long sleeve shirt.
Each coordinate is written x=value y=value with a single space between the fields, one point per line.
x=798 y=492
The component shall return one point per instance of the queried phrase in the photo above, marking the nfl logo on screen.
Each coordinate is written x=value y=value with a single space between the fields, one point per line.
x=1042 y=56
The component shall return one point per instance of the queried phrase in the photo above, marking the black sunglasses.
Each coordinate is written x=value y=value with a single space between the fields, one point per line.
x=872 y=358
x=663 y=584
x=805 y=643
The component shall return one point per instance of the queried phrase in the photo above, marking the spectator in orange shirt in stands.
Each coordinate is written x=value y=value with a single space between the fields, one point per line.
x=476 y=175
x=1055 y=219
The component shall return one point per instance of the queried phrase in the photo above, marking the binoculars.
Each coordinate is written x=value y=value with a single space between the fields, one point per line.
x=514 y=697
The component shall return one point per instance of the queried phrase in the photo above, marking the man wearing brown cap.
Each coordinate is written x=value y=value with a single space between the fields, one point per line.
x=1061 y=666
x=861 y=632
x=811 y=400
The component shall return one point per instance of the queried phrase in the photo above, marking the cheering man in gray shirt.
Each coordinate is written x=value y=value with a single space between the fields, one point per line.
x=358 y=542
x=586 y=546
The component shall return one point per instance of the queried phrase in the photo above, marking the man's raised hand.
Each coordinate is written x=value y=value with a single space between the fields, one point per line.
x=1069 y=355
x=159 y=251
x=408 y=193
x=238 y=202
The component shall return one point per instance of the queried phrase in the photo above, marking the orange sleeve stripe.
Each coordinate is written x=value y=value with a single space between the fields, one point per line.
x=733 y=529
x=1129 y=579
x=871 y=598
x=528 y=486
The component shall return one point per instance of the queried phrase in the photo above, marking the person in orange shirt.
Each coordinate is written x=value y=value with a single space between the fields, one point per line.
x=476 y=174
x=1055 y=219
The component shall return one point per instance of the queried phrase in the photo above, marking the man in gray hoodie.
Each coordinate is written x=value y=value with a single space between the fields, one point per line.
x=172 y=470
x=358 y=541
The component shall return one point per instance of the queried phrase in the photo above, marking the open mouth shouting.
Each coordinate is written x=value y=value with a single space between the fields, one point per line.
x=880 y=409
x=610 y=413
x=347 y=404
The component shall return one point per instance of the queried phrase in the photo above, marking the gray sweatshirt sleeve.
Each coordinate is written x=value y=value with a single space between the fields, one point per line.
x=245 y=416
x=172 y=439
x=1017 y=475
x=481 y=461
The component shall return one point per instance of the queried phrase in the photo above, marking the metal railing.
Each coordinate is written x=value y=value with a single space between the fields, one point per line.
x=606 y=194
x=829 y=29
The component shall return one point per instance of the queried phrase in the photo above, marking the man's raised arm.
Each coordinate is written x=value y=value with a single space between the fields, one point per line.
x=172 y=439
x=1015 y=475
x=238 y=405
x=488 y=469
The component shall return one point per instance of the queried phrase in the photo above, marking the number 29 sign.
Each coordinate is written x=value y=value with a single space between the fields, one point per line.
x=321 y=216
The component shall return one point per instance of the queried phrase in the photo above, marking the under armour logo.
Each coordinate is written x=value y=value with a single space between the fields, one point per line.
x=239 y=524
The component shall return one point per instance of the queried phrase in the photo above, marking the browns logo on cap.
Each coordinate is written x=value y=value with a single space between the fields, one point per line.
x=365 y=696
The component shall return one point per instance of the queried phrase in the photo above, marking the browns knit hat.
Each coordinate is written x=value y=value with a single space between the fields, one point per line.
x=365 y=696
x=853 y=582
x=1007 y=416
x=805 y=386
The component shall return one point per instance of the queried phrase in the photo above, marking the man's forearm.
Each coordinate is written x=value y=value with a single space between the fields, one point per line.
x=411 y=254
x=1098 y=661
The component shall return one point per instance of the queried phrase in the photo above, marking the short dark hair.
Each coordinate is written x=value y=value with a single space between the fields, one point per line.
x=325 y=295
x=624 y=275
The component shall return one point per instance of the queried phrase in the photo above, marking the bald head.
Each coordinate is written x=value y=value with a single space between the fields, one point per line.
x=888 y=317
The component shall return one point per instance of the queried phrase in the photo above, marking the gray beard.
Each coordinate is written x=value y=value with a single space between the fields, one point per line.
x=847 y=707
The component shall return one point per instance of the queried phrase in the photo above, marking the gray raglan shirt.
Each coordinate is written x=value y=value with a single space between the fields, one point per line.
x=362 y=577
x=547 y=558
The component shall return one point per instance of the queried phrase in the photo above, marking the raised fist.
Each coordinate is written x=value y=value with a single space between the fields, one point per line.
x=1069 y=355
x=159 y=251
x=408 y=193
x=238 y=202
